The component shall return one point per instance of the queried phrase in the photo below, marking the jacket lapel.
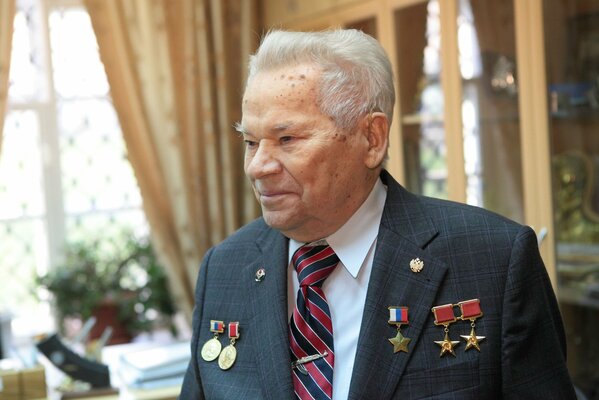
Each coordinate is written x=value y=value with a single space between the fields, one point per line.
x=269 y=324
x=405 y=231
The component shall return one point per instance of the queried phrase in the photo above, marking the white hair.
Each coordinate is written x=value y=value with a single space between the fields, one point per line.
x=356 y=77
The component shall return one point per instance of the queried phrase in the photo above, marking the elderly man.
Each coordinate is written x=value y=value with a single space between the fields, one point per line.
x=349 y=286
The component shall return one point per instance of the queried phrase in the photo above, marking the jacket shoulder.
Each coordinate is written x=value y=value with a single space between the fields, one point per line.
x=245 y=236
x=452 y=216
x=422 y=216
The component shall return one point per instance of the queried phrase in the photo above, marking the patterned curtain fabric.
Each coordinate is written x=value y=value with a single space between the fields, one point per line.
x=176 y=71
x=7 y=14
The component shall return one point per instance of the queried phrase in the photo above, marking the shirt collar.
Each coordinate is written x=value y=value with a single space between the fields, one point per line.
x=354 y=239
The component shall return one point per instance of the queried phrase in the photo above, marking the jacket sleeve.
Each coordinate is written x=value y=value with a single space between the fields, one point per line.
x=192 y=384
x=533 y=338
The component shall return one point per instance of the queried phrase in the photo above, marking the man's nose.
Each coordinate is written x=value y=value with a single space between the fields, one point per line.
x=262 y=162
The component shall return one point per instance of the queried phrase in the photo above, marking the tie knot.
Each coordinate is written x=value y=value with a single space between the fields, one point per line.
x=314 y=264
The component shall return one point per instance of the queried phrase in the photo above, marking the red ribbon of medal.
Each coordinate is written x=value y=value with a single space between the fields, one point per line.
x=471 y=311
x=229 y=354
x=233 y=330
x=444 y=316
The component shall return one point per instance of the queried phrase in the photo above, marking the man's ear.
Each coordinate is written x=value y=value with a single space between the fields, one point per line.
x=377 y=134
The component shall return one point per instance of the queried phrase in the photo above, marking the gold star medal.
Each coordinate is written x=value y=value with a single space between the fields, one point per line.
x=397 y=317
x=471 y=311
x=212 y=347
x=447 y=345
x=444 y=317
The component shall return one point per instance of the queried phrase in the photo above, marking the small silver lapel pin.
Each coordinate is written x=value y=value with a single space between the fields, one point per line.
x=260 y=274
x=416 y=265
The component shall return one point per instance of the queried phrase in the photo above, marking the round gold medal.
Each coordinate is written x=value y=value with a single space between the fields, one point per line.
x=227 y=357
x=211 y=349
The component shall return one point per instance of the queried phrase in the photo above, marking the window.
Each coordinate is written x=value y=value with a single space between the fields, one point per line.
x=64 y=173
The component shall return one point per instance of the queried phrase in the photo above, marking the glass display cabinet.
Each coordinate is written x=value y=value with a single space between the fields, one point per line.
x=487 y=108
x=421 y=97
x=498 y=107
x=572 y=74
x=491 y=129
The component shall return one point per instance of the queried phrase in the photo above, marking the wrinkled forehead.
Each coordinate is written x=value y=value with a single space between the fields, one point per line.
x=284 y=95
x=295 y=78
x=289 y=87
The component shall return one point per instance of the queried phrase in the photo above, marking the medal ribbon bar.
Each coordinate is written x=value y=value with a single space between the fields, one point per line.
x=444 y=314
x=233 y=330
x=398 y=315
x=470 y=309
x=217 y=326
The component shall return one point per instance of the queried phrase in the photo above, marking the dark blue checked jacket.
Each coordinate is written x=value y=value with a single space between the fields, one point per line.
x=468 y=253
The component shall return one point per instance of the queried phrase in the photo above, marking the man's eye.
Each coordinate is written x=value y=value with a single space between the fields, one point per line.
x=286 y=139
x=250 y=144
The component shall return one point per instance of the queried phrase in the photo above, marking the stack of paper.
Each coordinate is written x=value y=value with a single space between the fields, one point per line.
x=154 y=367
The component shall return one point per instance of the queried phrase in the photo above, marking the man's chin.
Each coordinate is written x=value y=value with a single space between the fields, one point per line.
x=275 y=222
x=278 y=220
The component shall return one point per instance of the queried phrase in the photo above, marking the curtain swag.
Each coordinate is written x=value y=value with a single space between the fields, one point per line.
x=176 y=69
x=7 y=14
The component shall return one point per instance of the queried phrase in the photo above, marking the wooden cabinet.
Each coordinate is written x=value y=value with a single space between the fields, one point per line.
x=280 y=12
x=285 y=13
x=498 y=106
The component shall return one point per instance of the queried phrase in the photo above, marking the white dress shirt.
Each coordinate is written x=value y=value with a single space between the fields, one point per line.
x=346 y=287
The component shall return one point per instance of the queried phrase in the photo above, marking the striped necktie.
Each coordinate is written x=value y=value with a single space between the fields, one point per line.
x=311 y=329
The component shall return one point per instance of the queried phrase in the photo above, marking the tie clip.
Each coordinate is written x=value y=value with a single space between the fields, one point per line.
x=299 y=364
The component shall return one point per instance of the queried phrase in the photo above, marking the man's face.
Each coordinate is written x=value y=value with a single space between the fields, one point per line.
x=308 y=175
